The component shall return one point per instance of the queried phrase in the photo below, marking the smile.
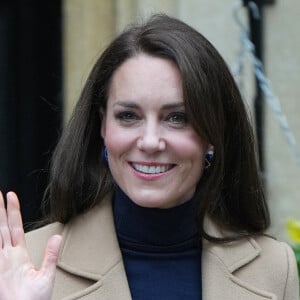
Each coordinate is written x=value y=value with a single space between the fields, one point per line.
x=152 y=169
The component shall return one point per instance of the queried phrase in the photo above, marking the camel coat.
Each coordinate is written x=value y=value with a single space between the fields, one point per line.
x=90 y=264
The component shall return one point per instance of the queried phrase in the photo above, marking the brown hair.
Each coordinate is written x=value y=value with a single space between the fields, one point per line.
x=231 y=192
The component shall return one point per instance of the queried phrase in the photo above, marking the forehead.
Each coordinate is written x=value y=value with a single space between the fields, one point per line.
x=145 y=77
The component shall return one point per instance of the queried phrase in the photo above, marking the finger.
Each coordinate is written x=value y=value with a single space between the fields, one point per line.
x=1 y=209
x=14 y=220
x=51 y=255
x=4 y=231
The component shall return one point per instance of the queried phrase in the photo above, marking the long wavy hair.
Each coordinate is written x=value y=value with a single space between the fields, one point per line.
x=231 y=193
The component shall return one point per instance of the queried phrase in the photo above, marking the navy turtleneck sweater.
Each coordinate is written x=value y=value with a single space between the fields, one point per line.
x=160 y=248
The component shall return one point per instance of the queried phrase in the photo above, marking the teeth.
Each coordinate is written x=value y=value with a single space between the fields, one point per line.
x=151 y=169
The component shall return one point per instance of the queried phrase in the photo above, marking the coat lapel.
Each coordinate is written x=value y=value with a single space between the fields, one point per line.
x=219 y=264
x=91 y=251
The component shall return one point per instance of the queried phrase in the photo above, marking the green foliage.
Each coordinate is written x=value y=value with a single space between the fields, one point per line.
x=293 y=230
x=296 y=249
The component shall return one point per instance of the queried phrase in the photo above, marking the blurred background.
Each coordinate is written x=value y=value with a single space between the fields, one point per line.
x=47 y=49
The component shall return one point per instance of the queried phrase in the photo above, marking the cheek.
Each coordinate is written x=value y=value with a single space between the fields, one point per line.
x=193 y=148
x=192 y=153
x=116 y=140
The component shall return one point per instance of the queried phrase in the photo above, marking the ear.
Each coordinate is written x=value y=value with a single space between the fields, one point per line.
x=210 y=151
x=210 y=148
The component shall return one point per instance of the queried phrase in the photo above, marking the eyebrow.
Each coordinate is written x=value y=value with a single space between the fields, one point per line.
x=127 y=104
x=130 y=104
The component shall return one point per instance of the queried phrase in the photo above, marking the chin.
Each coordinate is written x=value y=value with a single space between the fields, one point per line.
x=154 y=203
x=150 y=202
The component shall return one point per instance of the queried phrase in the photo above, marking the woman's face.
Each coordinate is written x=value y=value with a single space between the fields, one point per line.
x=154 y=154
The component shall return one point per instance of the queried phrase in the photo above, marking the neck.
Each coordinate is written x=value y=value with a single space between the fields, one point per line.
x=155 y=226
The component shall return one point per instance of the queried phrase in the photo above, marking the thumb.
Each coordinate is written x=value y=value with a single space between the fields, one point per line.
x=51 y=255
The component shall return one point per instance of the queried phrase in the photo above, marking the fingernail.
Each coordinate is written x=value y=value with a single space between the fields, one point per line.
x=10 y=195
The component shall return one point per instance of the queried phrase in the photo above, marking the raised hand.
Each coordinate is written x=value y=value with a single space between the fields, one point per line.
x=19 y=279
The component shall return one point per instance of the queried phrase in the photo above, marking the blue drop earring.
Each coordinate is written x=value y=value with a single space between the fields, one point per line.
x=105 y=155
x=208 y=158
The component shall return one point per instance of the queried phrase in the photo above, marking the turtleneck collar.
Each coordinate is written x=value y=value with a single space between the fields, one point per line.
x=154 y=227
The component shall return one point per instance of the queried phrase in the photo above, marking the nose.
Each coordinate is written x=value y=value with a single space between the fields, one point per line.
x=151 y=140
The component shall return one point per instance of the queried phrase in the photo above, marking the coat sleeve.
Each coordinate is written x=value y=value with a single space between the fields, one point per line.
x=292 y=280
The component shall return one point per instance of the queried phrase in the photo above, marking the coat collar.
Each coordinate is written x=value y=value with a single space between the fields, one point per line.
x=90 y=246
x=91 y=249
x=233 y=255
x=221 y=261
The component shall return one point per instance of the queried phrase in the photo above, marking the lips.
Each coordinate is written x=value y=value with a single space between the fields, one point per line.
x=152 y=169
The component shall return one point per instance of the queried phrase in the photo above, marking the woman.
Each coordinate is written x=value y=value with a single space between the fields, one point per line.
x=154 y=189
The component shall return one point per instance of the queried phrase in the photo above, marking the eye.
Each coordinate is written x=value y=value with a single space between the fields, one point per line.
x=127 y=116
x=177 y=118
